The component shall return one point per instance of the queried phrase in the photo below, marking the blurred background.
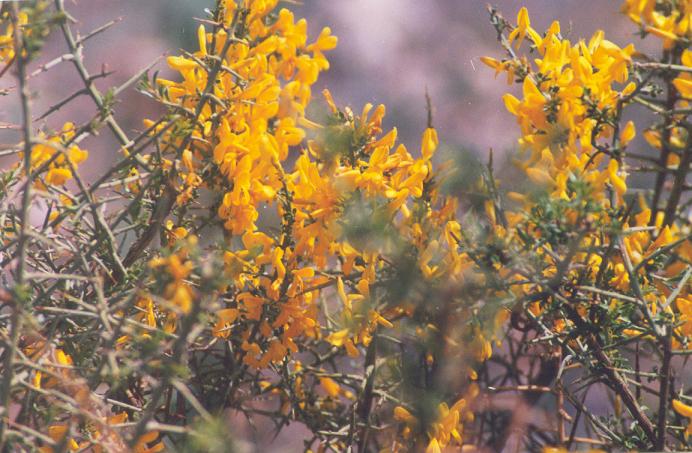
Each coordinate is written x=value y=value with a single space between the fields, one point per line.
x=390 y=52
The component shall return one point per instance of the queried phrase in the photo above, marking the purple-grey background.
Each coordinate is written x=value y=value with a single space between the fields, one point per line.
x=389 y=52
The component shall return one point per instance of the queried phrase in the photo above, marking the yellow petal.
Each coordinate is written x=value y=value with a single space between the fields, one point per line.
x=540 y=176
x=684 y=86
x=342 y=293
x=337 y=338
x=433 y=447
x=523 y=20
x=682 y=408
x=58 y=176
x=492 y=62
x=202 y=38
x=627 y=133
x=330 y=386
x=401 y=414
x=430 y=142
x=511 y=103
x=617 y=181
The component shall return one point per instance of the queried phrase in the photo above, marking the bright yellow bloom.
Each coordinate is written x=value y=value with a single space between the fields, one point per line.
x=523 y=29
x=57 y=156
x=686 y=411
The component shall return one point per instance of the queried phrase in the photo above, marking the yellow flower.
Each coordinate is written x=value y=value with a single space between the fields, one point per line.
x=433 y=447
x=686 y=411
x=401 y=414
x=684 y=87
x=540 y=177
x=627 y=133
x=669 y=24
x=58 y=176
x=430 y=142
x=523 y=28
x=616 y=180
x=330 y=386
x=7 y=50
x=226 y=317
x=51 y=150
x=337 y=338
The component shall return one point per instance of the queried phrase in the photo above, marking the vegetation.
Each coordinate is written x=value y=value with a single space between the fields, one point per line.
x=256 y=253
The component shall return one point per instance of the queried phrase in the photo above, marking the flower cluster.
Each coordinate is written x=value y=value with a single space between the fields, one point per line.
x=57 y=156
x=669 y=21
x=569 y=117
x=7 y=51
x=98 y=429
x=599 y=243
x=311 y=208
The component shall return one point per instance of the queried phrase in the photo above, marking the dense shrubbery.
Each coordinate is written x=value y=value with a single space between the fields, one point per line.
x=254 y=252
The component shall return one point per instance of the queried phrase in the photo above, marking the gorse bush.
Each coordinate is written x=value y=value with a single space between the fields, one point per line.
x=258 y=254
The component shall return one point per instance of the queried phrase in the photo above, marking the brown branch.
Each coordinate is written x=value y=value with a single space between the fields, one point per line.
x=671 y=98
x=366 y=397
x=18 y=293
x=663 y=397
x=546 y=375
x=679 y=179
x=613 y=378
x=166 y=203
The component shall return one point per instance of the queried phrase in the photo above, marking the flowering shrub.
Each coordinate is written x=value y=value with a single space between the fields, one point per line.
x=258 y=253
